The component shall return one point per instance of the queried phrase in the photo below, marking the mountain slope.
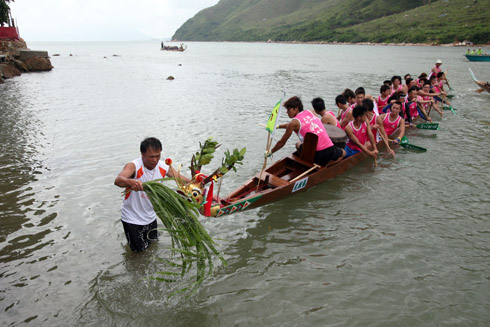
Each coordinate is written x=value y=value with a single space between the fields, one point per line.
x=340 y=20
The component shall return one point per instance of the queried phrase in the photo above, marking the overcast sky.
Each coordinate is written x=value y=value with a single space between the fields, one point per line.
x=103 y=20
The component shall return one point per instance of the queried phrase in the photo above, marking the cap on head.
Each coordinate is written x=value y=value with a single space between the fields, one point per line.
x=439 y=61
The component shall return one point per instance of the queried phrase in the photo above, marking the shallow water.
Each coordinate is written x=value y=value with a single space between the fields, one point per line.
x=403 y=244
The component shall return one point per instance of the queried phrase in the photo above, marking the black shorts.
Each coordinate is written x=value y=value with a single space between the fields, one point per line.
x=323 y=157
x=140 y=236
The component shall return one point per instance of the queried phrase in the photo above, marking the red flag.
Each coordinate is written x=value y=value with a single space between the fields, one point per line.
x=209 y=200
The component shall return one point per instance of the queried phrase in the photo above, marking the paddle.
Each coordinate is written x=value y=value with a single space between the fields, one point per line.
x=450 y=108
x=444 y=99
x=432 y=126
x=405 y=143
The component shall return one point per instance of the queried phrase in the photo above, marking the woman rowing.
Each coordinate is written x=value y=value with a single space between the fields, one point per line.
x=302 y=122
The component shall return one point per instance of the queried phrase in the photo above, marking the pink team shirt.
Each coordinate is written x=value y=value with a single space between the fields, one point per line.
x=382 y=102
x=424 y=98
x=437 y=69
x=390 y=126
x=361 y=135
x=333 y=115
x=342 y=116
x=398 y=89
x=309 y=123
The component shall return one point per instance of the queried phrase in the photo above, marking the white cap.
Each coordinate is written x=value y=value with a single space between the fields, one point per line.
x=439 y=61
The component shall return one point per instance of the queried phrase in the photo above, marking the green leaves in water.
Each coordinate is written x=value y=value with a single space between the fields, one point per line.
x=189 y=238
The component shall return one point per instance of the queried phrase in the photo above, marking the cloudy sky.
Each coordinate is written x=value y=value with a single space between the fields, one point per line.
x=103 y=20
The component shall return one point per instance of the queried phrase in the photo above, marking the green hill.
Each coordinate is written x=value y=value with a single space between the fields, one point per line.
x=421 y=21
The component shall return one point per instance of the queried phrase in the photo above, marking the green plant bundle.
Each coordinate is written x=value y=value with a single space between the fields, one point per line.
x=189 y=238
x=205 y=154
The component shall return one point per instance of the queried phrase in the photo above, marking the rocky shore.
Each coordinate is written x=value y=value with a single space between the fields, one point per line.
x=16 y=58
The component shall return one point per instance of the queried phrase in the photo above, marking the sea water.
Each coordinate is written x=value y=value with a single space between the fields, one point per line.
x=405 y=243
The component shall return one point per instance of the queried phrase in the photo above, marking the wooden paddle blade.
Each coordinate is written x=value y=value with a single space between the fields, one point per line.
x=432 y=126
x=413 y=147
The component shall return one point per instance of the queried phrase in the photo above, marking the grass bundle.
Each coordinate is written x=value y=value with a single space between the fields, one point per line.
x=189 y=238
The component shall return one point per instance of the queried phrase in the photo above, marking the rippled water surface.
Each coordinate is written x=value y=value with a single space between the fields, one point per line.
x=402 y=244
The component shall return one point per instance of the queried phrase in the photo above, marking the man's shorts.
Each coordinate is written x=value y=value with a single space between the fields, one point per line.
x=324 y=156
x=349 y=152
x=140 y=236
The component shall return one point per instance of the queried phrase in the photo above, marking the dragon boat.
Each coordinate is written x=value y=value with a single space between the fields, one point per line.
x=180 y=48
x=288 y=176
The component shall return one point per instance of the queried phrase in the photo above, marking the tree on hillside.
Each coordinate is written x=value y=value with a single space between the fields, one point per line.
x=4 y=11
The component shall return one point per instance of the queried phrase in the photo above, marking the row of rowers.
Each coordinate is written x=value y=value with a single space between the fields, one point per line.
x=364 y=118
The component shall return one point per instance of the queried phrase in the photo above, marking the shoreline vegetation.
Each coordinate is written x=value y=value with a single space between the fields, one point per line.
x=367 y=21
x=350 y=43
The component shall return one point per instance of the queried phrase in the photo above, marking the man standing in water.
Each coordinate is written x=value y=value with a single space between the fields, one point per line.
x=137 y=215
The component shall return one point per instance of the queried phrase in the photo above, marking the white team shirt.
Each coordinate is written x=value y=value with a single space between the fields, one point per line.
x=136 y=207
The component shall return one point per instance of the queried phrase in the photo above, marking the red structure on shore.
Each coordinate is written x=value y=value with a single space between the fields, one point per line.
x=11 y=33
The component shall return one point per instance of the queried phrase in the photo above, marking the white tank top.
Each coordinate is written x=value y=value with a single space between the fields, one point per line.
x=136 y=207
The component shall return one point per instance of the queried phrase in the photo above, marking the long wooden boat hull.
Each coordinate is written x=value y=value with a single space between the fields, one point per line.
x=178 y=50
x=280 y=181
x=478 y=57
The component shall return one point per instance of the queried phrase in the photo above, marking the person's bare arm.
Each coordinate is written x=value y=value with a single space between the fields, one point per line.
x=289 y=130
x=126 y=178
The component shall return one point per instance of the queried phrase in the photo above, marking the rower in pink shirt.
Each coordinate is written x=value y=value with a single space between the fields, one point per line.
x=302 y=122
x=360 y=94
x=382 y=99
x=360 y=136
x=327 y=117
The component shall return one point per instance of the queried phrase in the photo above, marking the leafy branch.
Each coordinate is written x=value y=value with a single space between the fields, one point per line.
x=204 y=155
x=228 y=163
x=189 y=238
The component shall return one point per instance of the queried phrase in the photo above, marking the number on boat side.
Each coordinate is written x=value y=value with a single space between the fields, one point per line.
x=300 y=184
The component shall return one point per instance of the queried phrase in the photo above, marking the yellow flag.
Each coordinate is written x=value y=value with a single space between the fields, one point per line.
x=271 y=124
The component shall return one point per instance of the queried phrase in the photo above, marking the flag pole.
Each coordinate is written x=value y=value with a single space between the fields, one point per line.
x=271 y=126
x=265 y=161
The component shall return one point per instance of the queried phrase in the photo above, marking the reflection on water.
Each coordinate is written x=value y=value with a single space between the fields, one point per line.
x=18 y=163
x=26 y=214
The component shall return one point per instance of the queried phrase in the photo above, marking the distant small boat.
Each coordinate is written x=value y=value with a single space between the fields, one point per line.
x=482 y=57
x=181 y=48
